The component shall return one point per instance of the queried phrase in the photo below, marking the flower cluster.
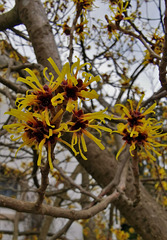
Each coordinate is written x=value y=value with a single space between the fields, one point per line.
x=119 y=10
x=111 y=28
x=157 y=47
x=81 y=29
x=118 y=14
x=40 y=112
x=140 y=131
x=83 y=4
x=80 y=122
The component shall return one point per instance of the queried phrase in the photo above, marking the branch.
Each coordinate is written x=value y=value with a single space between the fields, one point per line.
x=62 y=230
x=39 y=31
x=44 y=184
x=20 y=34
x=135 y=168
x=140 y=38
x=123 y=158
x=71 y=34
x=16 y=88
x=29 y=207
x=23 y=233
x=9 y=19
x=163 y=63
x=156 y=96
x=70 y=180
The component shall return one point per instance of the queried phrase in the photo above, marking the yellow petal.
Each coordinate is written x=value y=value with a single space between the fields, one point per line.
x=126 y=111
x=93 y=79
x=120 y=150
x=80 y=151
x=58 y=99
x=91 y=95
x=131 y=104
x=70 y=105
x=49 y=156
x=139 y=103
x=58 y=114
x=52 y=76
x=70 y=146
x=83 y=143
x=100 y=127
x=150 y=109
x=132 y=148
x=40 y=152
x=96 y=140
x=54 y=65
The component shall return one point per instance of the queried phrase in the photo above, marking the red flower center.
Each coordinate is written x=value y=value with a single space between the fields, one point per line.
x=139 y=140
x=79 y=122
x=39 y=131
x=135 y=118
x=44 y=98
x=71 y=92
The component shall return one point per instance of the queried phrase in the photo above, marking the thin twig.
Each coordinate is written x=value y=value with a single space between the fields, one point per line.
x=135 y=168
x=72 y=182
x=44 y=184
x=62 y=230
x=71 y=34
x=123 y=158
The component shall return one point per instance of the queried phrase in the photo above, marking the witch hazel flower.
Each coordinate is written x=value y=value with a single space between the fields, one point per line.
x=81 y=124
x=35 y=130
x=39 y=115
x=140 y=132
x=73 y=87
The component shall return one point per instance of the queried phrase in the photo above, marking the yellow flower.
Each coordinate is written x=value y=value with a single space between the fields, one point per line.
x=120 y=235
x=119 y=11
x=83 y=4
x=78 y=125
x=36 y=130
x=164 y=201
x=131 y=230
x=80 y=27
x=66 y=28
x=136 y=116
x=73 y=87
x=139 y=132
x=112 y=28
x=39 y=96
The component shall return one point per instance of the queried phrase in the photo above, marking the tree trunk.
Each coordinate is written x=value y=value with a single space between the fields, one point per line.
x=33 y=16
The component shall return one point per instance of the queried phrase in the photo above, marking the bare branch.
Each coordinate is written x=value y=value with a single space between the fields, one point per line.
x=123 y=158
x=62 y=231
x=44 y=184
x=70 y=180
x=12 y=86
x=9 y=19
x=44 y=209
x=163 y=63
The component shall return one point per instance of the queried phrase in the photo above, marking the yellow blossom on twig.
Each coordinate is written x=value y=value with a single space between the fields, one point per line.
x=79 y=124
x=140 y=132
x=73 y=87
x=35 y=130
x=119 y=10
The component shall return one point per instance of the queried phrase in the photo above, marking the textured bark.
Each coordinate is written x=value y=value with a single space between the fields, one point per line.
x=33 y=16
x=148 y=218
x=163 y=63
x=9 y=19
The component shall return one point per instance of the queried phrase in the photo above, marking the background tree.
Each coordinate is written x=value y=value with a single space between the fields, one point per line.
x=125 y=43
